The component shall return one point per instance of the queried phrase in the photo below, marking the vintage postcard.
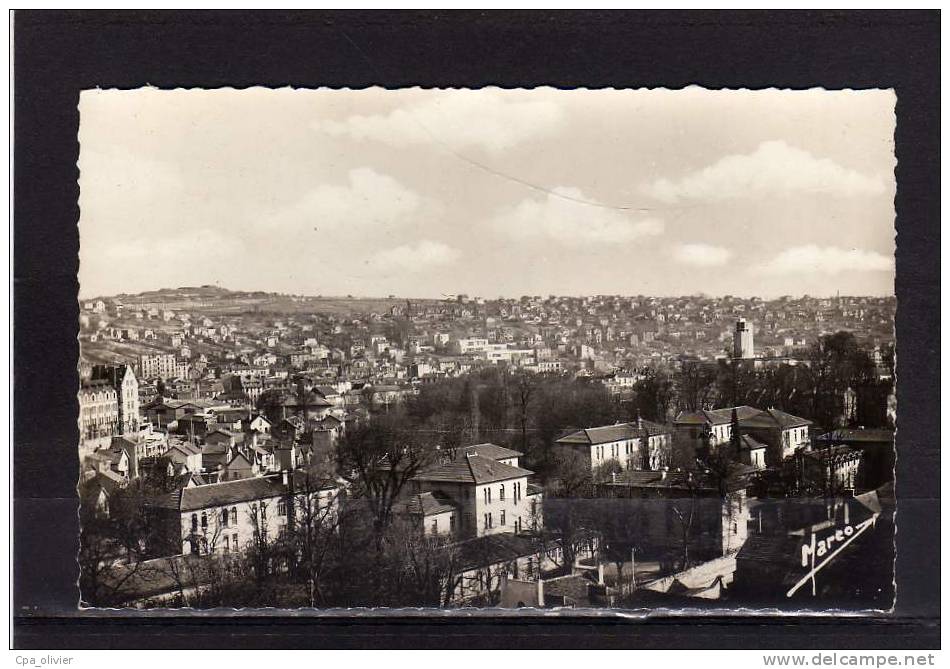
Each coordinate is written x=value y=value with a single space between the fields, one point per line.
x=526 y=350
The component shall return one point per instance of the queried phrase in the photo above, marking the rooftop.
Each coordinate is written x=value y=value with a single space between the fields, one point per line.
x=611 y=433
x=476 y=469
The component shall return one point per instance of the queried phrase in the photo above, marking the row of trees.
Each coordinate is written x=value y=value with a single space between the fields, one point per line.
x=816 y=388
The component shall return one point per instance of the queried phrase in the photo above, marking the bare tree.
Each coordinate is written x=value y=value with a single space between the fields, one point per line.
x=315 y=515
x=378 y=460
x=431 y=564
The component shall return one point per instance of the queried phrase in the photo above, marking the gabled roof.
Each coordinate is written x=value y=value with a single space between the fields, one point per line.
x=309 y=399
x=772 y=418
x=226 y=492
x=610 y=433
x=748 y=417
x=494 y=548
x=475 y=469
x=714 y=416
x=115 y=478
x=186 y=448
x=488 y=450
x=430 y=504
x=239 y=459
x=750 y=443
x=108 y=483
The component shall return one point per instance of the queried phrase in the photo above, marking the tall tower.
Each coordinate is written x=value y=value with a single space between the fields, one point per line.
x=742 y=342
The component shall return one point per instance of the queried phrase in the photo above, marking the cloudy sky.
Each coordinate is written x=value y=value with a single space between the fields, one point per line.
x=426 y=192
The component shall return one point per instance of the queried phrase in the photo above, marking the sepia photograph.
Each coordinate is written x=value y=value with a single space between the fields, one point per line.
x=511 y=349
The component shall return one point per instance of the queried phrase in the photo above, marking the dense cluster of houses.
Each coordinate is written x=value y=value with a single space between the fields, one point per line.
x=198 y=344
x=236 y=409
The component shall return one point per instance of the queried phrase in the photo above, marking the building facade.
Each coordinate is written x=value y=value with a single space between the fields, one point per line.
x=98 y=410
x=743 y=346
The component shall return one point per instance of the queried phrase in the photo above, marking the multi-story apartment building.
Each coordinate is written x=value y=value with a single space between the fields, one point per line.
x=469 y=345
x=158 y=366
x=98 y=410
x=122 y=378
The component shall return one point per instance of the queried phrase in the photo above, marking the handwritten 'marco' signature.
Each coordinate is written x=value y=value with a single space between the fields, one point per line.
x=827 y=548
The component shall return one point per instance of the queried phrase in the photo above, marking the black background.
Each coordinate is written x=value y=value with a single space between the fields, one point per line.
x=57 y=54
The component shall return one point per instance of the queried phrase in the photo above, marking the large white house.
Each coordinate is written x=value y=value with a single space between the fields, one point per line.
x=640 y=445
x=228 y=516
x=474 y=491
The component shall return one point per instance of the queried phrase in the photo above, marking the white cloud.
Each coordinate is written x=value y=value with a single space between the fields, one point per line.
x=367 y=199
x=560 y=218
x=702 y=255
x=774 y=168
x=422 y=256
x=826 y=260
x=461 y=119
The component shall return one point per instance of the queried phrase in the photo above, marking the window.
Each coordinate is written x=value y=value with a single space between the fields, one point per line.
x=234 y=515
x=501 y=492
x=194 y=522
x=501 y=521
x=204 y=520
x=227 y=545
x=282 y=508
x=435 y=526
x=487 y=493
x=224 y=518
x=452 y=523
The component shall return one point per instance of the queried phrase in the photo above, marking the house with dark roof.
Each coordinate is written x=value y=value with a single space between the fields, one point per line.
x=640 y=445
x=238 y=467
x=185 y=455
x=474 y=491
x=227 y=516
x=781 y=432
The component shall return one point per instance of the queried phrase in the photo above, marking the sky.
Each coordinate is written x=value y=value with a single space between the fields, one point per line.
x=490 y=192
